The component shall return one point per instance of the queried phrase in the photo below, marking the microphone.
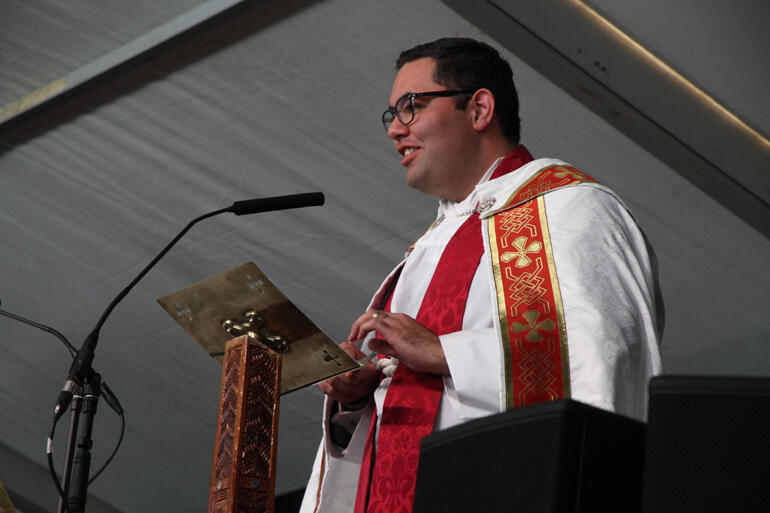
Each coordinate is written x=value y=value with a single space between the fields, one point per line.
x=252 y=206
x=81 y=366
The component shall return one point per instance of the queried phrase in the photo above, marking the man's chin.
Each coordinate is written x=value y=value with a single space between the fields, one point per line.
x=415 y=179
x=422 y=184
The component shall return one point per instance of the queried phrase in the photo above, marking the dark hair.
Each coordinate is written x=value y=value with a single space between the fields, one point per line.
x=463 y=63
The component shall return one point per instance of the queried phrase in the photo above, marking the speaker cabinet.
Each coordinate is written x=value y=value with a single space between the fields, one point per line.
x=708 y=445
x=563 y=456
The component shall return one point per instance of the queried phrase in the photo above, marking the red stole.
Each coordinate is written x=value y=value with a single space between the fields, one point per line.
x=386 y=485
x=533 y=329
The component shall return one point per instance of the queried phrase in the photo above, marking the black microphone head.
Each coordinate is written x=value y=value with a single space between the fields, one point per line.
x=252 y=206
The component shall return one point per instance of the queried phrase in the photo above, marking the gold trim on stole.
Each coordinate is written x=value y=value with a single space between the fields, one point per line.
x=502 y=312
x=528 y=222
x=544 y=180
x=556 y=296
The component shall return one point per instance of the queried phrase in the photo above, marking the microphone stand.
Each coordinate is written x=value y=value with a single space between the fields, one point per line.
x=78 y=456
x=77 y=400
x=86 y=383
x=82 y=379
x=77 y=404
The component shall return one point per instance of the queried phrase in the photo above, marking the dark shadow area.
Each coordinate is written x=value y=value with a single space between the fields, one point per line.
x=217 y=33
x=289 y=502
x=22 y=504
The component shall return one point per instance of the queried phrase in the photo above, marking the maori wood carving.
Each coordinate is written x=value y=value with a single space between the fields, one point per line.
x=243 y=472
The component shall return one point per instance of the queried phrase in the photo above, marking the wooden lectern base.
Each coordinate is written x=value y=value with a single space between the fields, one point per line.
x=243 y=472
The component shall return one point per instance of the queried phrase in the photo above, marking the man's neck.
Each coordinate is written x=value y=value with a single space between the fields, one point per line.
x=488 y=154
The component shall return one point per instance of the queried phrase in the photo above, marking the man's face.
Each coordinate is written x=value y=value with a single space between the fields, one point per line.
x=436 y=146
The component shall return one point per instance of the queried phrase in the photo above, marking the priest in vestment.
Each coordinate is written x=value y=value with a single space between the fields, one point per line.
x=534 y=283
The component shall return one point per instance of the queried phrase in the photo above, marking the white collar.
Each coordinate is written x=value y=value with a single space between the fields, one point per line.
x=467 y=206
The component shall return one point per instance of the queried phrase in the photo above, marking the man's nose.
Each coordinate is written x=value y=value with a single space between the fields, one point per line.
x=397 y=129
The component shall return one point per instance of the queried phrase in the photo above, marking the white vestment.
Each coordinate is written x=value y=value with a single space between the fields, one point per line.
x=612 y=311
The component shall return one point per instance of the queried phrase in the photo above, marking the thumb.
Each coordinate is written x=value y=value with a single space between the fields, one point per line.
x=381 y=346
x=352 y=350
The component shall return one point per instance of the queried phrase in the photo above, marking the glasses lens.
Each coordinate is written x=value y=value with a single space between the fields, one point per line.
x=404 y=109
x=387 y=118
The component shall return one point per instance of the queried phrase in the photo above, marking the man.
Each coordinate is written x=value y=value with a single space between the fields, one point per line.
x=534 y=283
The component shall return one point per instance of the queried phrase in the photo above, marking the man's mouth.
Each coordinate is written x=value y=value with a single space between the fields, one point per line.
x=408 y=156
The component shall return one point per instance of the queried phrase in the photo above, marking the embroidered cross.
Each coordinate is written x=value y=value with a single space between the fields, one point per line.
x=532 y=327
x=255 y=284
x=520 y=245
x=330 y=358
x=186 y=312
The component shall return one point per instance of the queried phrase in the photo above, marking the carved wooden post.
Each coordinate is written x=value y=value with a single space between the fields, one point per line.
x=243 y=472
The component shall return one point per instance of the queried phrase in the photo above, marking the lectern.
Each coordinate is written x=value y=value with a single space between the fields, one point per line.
x=277 y=350
x=243 y=472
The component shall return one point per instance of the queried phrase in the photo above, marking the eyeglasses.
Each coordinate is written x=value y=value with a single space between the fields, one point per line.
x=404 y=109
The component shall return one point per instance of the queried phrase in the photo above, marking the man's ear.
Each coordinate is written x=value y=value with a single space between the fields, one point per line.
x=482 y=109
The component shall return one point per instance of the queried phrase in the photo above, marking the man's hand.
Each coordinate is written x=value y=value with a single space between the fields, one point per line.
x=353 y=386
x=403 y=337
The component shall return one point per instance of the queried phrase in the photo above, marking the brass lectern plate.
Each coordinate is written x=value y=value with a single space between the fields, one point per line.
x=246 y=300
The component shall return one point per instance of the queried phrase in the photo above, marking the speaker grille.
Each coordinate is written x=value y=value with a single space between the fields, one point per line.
x=708 y=445
x=548 y=458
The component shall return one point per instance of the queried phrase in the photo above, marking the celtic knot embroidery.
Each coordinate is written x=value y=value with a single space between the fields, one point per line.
x=537 y=371
x=514 y=221
x=526 y=288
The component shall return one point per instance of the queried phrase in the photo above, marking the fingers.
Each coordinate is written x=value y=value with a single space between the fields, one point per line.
x=385 y=323
x=337 y=390
x=377 y=320
x=363 y=324
x=403 y=337
x=336 y=387
x=381 y=346
x=353 y=386
x=352 y=350
x=412 y=343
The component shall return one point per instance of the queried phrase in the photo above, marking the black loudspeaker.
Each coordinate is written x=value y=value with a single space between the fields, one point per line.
x=563 y=456
x=708 y=445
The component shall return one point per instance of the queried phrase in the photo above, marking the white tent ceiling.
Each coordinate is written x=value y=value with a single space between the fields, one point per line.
x=283 y=97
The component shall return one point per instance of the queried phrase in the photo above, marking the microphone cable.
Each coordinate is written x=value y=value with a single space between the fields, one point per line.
x=108 y=395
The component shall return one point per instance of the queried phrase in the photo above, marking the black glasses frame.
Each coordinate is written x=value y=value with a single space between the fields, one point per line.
x=392 y=113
